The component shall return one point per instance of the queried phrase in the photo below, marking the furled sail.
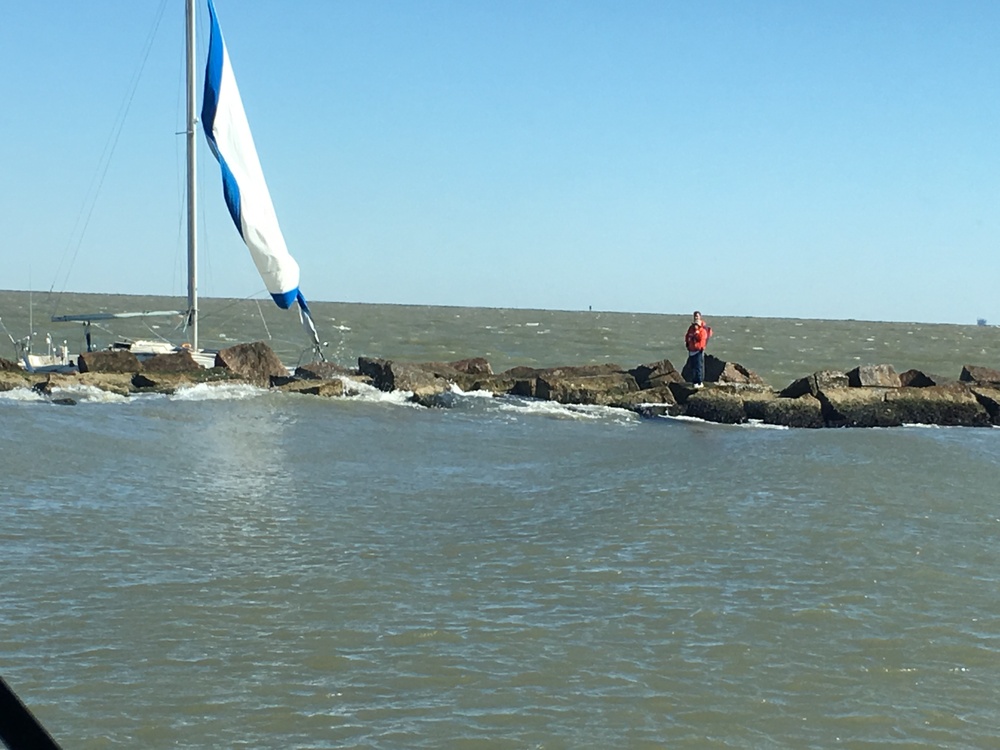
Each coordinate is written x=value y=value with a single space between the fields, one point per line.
x=228 y=132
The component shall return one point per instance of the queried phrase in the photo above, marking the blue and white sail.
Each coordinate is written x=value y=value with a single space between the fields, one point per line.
x=249 y=201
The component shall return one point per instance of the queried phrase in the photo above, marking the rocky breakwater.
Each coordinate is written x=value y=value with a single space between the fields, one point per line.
x=866 y=396
x=122 y=373
x=643 y=388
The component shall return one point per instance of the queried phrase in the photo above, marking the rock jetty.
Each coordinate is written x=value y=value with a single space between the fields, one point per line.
x=866 y=396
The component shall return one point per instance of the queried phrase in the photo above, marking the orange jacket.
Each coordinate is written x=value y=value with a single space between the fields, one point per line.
x=697 y=337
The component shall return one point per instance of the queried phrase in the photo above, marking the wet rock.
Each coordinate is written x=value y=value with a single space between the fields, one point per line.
x=117 y=361
x=312 y=387
x=117 y=383
x=255 y=363
x=659 y=395
x=857 y=407
x=495 y=384
x=523 y=381
x=323 y=371
x=716 y=406
x=873 y=376
x=682 y=391
x=941 y=405
x=11 y=379
x=388 y=375
x=989 y=398
x=602 y=390
x=166 y=383
x=755 y=402
x=804 y=411
x=432 y=394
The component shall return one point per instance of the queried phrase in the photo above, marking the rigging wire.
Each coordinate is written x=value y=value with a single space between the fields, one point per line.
x=90 y=200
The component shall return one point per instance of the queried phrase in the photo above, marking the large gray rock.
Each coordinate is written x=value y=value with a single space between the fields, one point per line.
x=660 y=395
x=813 y=384
x=11 y=379
x=980 y=375
x=523 y=381
x=804 y=411
x=255 y=363
x=874 y=376
x=602 y=390
x=755 y=402
x=857 y=407
x=7 y=366
x=323 y=371
x=989 y=398
x=118 y=361
x=716 y=406
x=656 y=374
x=180 y=361
x=472 y=366
x=720 y=371
x=921 y=379
x=389 y=375
x=940 y=404
x=111 y=382
x=314 y=387
x=495 y=384
x=158 y=382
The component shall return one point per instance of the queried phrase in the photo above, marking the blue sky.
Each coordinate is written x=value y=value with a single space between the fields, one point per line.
x=786 y=159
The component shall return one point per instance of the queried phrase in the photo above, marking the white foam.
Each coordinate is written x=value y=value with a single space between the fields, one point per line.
x=217 y=392
x=366 y=392
x=21 y=394
x=759 y=425
x=88 y=394
x=554 y=409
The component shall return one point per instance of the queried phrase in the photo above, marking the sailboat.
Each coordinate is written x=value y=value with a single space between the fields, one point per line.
x=227 y=130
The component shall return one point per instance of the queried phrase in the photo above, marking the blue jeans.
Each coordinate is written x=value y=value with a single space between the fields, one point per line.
x=697 y=361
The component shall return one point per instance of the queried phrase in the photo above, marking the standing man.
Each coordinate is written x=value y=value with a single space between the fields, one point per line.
x=696 y=340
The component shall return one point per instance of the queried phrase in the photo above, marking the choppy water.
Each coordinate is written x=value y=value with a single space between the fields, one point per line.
x=233 y=568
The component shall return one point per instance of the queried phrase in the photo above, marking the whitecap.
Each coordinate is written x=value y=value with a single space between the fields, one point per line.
x=217 y=392
x=21 y=394
x=88 y=394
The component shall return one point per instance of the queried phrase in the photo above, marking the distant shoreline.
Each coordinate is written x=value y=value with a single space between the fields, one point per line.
x=430 y=306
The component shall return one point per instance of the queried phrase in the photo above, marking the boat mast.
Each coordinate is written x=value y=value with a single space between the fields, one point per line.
x=192 y=125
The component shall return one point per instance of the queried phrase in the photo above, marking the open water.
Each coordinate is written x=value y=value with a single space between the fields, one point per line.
x=235 y=568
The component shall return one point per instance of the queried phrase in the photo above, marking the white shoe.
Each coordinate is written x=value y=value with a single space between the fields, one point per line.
x=699 y=385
